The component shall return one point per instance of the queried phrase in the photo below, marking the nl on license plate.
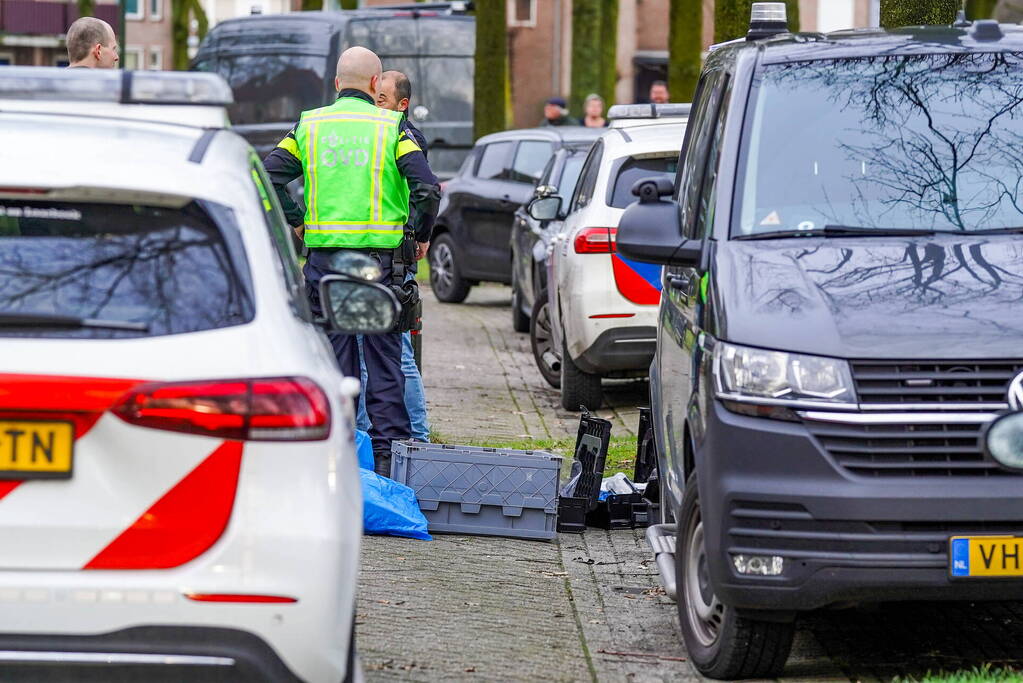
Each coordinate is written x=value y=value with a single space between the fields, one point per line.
x=986 y=556
x=35 y=450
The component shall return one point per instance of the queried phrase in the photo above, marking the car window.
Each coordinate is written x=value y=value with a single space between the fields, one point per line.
x=159 y=270
x=912 y=142
x=284 y=247
x=271 y=88
x=637 y=169
x=696 y=148
x=569 y=177
x=492 y=164
x=588 y=178
x=530 y=158
x=708 y=194
x=548 y=171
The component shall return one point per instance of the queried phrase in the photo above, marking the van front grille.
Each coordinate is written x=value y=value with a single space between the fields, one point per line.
x=934 y=382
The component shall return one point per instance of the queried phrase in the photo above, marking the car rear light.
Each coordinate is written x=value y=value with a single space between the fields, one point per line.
x=595 y=241
x=271 y=409
x=239 y=597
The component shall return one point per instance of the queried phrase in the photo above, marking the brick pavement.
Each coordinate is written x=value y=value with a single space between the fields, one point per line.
x=588 y=607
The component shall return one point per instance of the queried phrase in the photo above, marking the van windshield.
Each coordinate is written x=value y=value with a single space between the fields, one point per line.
x=919 y=142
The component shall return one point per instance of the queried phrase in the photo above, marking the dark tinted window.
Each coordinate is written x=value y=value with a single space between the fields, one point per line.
x=166 y=269
x=530 y=158
x=494 y=160
x=445 y=88
x=588 y=180
x=637 y=169
x=270 y=88
x=922 y=142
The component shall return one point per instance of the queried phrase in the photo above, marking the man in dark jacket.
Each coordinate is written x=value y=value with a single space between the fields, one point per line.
x=555 y=113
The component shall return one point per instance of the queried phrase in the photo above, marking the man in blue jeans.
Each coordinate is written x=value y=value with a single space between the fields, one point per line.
x=394 y=94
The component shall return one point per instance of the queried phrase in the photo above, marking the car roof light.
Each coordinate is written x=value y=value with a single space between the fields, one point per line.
x=648 y=111
x=107 y=85
x=767 y=19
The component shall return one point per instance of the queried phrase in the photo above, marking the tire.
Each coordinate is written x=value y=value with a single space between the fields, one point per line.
x=720 y=643
x=542 y=343
x=445 y=279
x=520 y=321
x=578 y=388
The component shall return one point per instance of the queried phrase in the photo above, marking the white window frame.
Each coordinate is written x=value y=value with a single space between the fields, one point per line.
x=529 y=23
x=140 y=52
x=157 y=53
x=137 y=16
x=158 y=14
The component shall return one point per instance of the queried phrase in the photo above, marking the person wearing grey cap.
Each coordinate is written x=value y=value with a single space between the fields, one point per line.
x=555 y=113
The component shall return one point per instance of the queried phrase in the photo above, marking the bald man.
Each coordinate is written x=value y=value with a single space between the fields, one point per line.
x=362 y=171
x=91 y=44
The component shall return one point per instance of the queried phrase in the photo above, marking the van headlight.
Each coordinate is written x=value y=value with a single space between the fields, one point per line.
x=777 y=378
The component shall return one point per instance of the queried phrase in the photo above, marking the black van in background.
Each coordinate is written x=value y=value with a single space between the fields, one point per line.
x=281 y=65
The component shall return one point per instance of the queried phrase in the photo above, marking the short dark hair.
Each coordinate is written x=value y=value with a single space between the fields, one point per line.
x=402 y=86
x=83 y=34
x=657 y=83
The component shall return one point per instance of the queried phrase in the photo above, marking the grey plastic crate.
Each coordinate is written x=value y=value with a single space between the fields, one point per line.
x=485 y=491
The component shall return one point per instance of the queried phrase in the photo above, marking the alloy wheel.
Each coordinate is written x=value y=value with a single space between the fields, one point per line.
x=442 y=267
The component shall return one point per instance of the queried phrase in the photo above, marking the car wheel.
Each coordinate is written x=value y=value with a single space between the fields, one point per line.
x=445 y=280
x=720 y=643
x=578 y=388
x=542 y=343
x=520 y=321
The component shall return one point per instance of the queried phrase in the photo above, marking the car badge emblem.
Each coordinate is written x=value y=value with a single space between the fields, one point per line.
x=1016 y=392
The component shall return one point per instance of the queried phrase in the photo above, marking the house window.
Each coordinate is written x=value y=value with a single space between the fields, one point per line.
x=133 y=9
x=133 y=58
x=522 y=13
x=155 y=59
x=59 y=60
x=155 y=10
x=6 y=59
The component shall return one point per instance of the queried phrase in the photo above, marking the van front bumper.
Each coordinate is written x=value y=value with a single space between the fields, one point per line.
x=768 y=487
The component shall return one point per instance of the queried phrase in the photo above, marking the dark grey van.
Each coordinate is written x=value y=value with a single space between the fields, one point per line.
x=281 y=65
x=842 y=316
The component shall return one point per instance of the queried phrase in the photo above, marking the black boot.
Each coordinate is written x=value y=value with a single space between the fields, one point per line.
x=382 y=464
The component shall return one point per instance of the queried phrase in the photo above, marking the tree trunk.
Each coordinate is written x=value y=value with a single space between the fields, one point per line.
x=492 y=97
x=731 y=18
x=895 y=13
x=182 y=12
x=980 y=9
x=86 y=8
x=349 y=4
x=586 y=58
x=685 y=42
x=608 y=50
x=311 y=5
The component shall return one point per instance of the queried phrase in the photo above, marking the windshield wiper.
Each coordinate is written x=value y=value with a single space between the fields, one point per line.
x=15 y=319
x=996 y=231
x=838 y=231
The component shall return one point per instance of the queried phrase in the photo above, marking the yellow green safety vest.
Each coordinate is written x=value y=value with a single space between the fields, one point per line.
x=355 y=196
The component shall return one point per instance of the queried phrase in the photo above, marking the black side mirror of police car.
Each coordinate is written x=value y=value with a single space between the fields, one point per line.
x=651 y=229
x=356 y=306
x=1002 y=440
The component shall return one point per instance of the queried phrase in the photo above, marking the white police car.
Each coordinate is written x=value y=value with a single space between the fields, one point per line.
x=179 y=493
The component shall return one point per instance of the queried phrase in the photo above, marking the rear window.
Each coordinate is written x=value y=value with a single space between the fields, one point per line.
x=128 y=271
x=637 y=169
x=270 y=88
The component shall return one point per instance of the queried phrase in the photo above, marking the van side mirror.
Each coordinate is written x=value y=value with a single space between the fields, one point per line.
x=356 y=306
x=651 y=229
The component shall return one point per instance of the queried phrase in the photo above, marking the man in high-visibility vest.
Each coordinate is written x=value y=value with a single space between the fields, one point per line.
x=361 y=171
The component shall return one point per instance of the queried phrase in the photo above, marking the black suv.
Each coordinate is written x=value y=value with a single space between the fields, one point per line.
x=842 y=316
x=472 y=237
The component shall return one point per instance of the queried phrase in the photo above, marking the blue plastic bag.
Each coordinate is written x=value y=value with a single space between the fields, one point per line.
x=390 y=508
x=364 y=447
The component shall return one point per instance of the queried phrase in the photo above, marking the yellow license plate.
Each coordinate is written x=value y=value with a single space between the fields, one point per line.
x=30 y=450
x=985 y=556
